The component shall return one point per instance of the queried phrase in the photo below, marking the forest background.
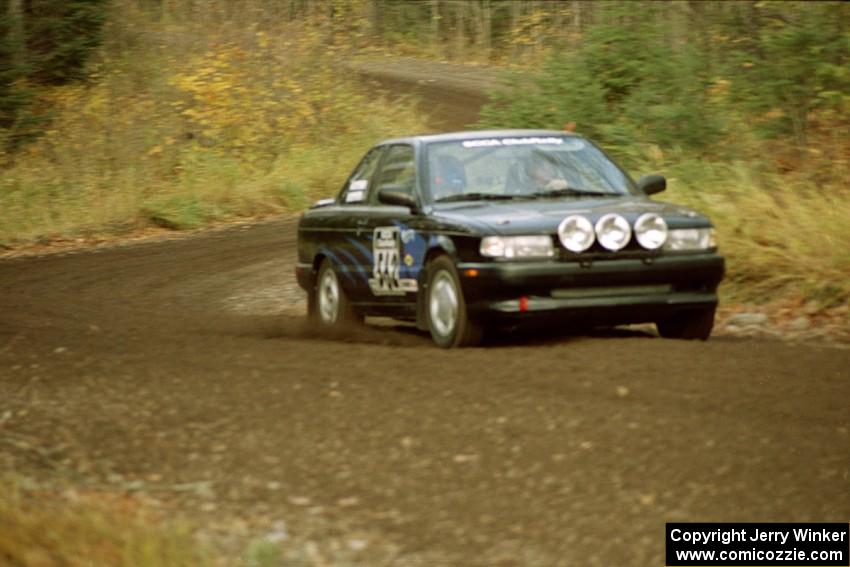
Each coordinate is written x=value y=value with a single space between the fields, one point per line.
x=125 y=114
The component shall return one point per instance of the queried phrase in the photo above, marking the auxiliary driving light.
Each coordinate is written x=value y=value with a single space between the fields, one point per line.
x=651 y=231
x=613 y=232
x=576 y=233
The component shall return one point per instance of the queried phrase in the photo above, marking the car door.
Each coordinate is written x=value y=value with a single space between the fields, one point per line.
x=387 y=229
x=351 y=255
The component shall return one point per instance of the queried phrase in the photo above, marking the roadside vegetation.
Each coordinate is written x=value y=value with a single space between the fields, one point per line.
x=44 y=528
x=186 y=114
x=60 y=525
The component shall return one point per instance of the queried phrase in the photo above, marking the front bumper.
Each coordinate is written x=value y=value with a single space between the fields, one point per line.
x=607 y=291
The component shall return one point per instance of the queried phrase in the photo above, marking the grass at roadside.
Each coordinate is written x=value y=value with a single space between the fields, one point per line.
x=76 y=527
x=784 y=236
x=45 y=528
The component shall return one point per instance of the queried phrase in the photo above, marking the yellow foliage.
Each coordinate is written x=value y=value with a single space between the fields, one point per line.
x=189 y=119
x=255 y=98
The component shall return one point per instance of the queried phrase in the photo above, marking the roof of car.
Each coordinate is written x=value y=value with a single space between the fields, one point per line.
x=477 y=135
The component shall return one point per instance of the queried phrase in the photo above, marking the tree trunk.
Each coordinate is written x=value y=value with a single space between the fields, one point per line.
x=577 y=16
x=14 y=10
x=376 y=19
x=516 y=13
x=486 y=28
x=460 y=36
x=435 y=23
x=481 y=17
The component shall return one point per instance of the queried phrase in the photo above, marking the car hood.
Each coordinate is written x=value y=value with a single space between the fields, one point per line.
x=544 y=215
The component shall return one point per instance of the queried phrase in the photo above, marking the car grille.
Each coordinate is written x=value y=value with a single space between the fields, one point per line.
x=593 y=255
x=613 y=291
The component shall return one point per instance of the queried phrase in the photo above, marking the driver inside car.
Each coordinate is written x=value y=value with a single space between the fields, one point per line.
x=543 y=175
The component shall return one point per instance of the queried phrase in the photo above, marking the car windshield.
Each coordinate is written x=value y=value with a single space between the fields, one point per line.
x=524 y=167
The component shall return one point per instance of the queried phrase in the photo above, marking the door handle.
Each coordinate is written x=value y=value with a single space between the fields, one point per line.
x=361 y=225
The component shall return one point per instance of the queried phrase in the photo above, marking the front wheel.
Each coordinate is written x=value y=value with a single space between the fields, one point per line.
x=693 y=325
x=329 y=306
x=448 y=322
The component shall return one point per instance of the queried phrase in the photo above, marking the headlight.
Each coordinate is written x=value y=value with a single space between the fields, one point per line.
x=517 y=246
x=651 y=231
x=684 y=239
x=613 y=232
x=576 y=233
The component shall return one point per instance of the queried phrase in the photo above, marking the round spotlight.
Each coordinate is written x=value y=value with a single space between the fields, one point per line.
x=576 y=233
x=651 y=231
x=613 y=232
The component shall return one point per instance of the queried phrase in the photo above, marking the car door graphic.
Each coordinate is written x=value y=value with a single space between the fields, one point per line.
x=387 y=234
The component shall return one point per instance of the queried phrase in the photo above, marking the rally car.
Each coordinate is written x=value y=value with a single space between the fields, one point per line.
x=467 y=231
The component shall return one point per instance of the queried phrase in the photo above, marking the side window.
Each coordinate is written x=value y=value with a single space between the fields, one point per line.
x=357 y=187
x=398 y=169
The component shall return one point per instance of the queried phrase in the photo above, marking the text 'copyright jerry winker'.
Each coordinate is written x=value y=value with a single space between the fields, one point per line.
x=821 y=545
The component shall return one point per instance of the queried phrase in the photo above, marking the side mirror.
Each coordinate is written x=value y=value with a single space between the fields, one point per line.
x=652 y=184
x=396 y=195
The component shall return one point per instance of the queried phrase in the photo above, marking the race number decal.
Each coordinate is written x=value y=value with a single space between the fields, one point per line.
x=386 y=253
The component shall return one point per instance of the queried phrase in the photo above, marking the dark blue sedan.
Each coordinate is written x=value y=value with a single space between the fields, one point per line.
x=468 y=231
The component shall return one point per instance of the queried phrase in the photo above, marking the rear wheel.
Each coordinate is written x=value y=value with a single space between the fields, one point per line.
x=445 y=308
x=330 y=307
x=694 y=325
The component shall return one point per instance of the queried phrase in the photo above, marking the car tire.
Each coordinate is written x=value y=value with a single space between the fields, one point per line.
x=690 y=325
x=328 y=306
x=445 y=307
